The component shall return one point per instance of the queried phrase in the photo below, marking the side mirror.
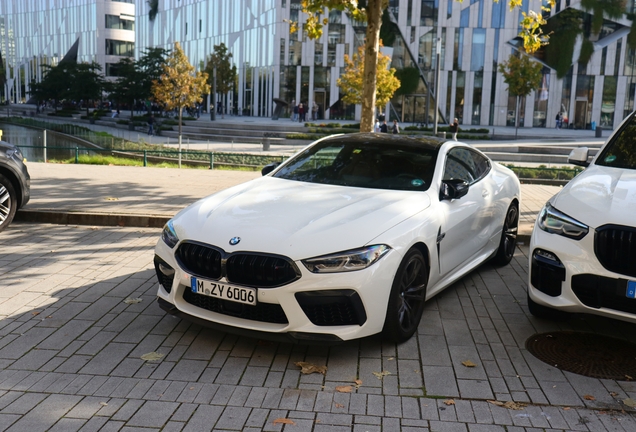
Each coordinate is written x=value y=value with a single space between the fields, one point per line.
x=579 y=156
x=453 y=189
x=269 y=168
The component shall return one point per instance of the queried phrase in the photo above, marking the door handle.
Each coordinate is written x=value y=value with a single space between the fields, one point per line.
x=485 y=193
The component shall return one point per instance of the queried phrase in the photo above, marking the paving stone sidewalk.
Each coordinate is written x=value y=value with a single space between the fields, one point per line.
x=71 y=348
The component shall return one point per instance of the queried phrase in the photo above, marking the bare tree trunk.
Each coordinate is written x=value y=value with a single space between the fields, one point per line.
x=374 y=22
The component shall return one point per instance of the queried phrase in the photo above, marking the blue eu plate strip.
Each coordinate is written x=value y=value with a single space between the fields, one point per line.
x=631 y=289
x=193 y=284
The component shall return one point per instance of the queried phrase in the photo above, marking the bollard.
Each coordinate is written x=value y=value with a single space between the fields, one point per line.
x=211 y=160
x=145 y=158
x=265 y=143
x=76 y=154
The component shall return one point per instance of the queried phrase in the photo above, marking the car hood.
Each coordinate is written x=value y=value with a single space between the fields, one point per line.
x=600 y=195
x=296 y=219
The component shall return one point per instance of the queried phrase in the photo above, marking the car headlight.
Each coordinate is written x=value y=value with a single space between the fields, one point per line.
x=346 y=261
x=553 y=221
x=169 y=236
x=15 y=153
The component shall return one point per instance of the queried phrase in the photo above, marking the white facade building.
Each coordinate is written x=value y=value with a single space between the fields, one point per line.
x=36 y=32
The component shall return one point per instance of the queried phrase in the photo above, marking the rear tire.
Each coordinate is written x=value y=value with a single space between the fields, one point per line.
x=406 y=300
x=508 y=242
x=8 y=202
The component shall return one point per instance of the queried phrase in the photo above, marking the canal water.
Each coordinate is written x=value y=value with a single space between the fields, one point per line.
x=31 y=143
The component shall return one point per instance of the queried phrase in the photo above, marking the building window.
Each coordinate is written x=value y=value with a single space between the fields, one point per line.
x=478 y=50
x=460 y=85
x=318 y=53
x=336 y=33
x=477 y=97
x=425 y=52
x=609 y=102
x=120 y=48
x=117 y=22
x=498 y=15
x=125 y=1
x=428 y=13
x=112 y=70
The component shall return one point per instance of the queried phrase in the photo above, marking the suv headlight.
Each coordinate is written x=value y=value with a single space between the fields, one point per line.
x=351 y=260
x=169 y=236
x=553 y=221
x=15 y=153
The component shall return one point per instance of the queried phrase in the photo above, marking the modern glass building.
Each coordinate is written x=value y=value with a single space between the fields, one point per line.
x=589 y=72
x=36 y=32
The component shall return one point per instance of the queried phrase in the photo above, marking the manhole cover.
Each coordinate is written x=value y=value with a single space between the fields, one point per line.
x=587 y=354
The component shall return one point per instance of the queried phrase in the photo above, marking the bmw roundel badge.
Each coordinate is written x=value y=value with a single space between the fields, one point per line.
x=234 y=241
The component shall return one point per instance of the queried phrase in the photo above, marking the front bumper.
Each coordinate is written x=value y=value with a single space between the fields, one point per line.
x=565 y=274
x=314 y=308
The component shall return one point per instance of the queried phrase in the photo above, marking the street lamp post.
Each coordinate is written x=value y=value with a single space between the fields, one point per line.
x=438 y=50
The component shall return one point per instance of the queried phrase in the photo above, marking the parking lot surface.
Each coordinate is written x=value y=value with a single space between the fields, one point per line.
x=79 y=351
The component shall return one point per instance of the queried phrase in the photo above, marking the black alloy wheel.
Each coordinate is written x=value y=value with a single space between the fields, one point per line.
x=406 y=301
x=8 y=202
x=508 y=241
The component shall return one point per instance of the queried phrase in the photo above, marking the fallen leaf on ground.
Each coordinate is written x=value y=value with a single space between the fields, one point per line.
x=510 y=404
x=589 y=397
x=309 y=368
x=103 y=403
x=34 y=313
x=111 y=199
x=358 y=383
x=566 y=408
x=613 y=394
x=382 y=374
x=468 y=363
x=151 y=356
x=449 y=402
x=339 y=405
x=131 y=300
x=628 y=378
x=284 y=421
x=343 y=389
x=630 y=402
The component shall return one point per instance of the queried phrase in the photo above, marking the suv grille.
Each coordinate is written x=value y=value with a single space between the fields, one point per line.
x=615 y=248
x=264 y=312
x=244 y=268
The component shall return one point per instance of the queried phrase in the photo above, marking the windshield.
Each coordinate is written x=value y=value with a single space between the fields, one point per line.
x=621 y=151
x=396 y=166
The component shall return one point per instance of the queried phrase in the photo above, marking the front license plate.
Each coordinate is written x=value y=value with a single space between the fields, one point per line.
x=223 y=291
x=631 y=289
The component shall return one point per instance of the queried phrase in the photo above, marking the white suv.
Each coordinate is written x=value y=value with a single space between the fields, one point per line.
x=583 y=247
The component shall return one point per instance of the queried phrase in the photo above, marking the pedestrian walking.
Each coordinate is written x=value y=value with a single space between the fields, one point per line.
x=383 y=127
x=151 y=122
x=296 y=111
x=396 y=128
x=301 y=112
x=376 y=127
x=559 y=120
x=314 y=111
x=454 y=128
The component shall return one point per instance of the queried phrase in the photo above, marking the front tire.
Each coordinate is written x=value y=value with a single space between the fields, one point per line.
x=8 y=202
x=508 y=241
x=406 y=300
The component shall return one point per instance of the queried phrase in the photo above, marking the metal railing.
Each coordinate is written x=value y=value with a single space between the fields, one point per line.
x=191 y=157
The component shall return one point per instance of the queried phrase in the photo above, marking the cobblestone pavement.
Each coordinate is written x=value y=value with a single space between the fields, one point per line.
x=71 y=355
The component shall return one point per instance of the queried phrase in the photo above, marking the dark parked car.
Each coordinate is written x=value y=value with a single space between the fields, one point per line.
x=15 y=183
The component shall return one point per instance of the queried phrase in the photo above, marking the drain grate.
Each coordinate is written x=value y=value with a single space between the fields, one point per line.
x=587 y=354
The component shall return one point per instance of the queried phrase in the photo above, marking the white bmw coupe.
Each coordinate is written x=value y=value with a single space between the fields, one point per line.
x=346 y=239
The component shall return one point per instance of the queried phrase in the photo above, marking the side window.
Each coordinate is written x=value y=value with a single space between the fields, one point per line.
x=460 y=164
x=482 y=165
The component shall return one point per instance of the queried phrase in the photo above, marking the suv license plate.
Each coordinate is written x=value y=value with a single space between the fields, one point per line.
x=223 y=291
x=631 y=289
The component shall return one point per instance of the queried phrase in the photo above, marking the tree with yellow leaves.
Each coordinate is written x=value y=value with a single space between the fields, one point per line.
x=533 y=38
x=351 y=81
x=179 y=85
